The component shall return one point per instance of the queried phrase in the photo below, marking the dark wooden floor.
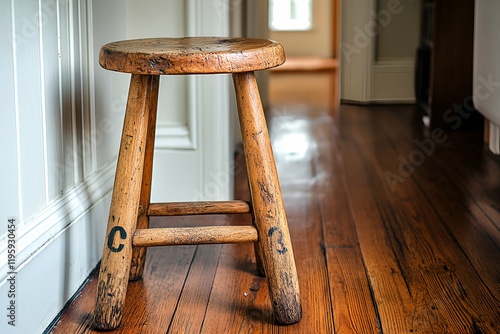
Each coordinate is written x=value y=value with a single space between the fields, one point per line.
x=392 y=233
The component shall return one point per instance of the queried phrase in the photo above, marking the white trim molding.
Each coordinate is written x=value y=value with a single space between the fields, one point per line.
x=176 y=137
x=48 y=223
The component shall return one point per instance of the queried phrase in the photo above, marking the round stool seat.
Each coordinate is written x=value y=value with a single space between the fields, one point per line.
x=191 y=55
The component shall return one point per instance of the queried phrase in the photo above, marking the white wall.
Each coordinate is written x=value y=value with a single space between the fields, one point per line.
x=396 y=45
x=61 y=126
x=357 y=51
x=400 y=38
x=377 y=40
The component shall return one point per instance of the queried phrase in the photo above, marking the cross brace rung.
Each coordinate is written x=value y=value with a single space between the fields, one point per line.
x=197 y=208
x=194 y=235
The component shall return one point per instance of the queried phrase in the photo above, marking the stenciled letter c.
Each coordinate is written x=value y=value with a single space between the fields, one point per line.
x=111 y=237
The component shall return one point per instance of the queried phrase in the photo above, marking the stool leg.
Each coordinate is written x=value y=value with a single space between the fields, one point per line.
x=117 y=253
x=268 y=207
x=139 y=253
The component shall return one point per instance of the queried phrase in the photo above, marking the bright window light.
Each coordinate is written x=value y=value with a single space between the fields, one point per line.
x=290 y=15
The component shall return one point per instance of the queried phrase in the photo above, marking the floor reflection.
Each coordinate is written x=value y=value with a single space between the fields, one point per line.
x=301 y=132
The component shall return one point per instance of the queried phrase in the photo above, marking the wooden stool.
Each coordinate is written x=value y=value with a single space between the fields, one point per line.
x=128 y=234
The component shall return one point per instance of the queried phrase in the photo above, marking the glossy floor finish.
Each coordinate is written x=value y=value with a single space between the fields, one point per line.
x=395 y=230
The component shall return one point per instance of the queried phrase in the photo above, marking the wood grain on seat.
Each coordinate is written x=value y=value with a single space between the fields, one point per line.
x=191 y=55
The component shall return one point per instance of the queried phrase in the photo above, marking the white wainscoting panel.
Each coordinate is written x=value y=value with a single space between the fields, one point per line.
x=61 y=130
x=393 y=81
x=28 y=68
x=54 y=272
x=56 y=193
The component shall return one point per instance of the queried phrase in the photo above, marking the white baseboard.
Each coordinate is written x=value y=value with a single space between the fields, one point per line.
x=55 y=252
x=393 y=81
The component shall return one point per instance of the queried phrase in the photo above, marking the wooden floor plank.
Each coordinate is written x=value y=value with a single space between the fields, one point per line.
x=353 y=307
x=480 y=184
x=252 y=312
x=238 y=299
x=300 y=177
x=396 y=304
x=460 y=203
x=422 y=258
x=479 y=174
x=354 y=310
x=308 y=241
x=447 y=278
x=190 y=312
x=150 y=303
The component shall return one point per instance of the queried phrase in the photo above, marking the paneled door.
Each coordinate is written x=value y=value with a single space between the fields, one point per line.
x=192 y=151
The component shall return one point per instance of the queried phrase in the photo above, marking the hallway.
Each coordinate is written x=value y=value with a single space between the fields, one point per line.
x=393 y=232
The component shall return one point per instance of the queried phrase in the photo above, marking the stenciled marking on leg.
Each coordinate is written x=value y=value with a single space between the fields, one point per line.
x=281 y=247
x=111 y=238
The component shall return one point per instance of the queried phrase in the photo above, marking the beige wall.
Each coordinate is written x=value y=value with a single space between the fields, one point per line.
x=399 y=38
x=317 y=41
